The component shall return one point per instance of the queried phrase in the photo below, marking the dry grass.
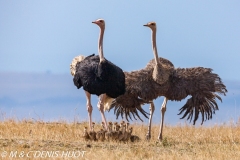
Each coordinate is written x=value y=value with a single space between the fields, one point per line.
x=180 y=142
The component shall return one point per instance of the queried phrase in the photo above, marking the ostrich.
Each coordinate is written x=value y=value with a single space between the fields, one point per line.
x=123 y=131
x=98 y=76
x=100 y=135
x=109 y=133
x=115 y=131
x=129 y=133
x=175 y=84
x=85 y=134
x=92 y=133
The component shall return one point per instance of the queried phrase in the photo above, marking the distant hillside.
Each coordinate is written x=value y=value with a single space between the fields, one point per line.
x=49 y=97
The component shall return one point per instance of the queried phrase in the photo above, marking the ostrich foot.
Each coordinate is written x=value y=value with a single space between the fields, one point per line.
x=148 y=136
x=160 y=138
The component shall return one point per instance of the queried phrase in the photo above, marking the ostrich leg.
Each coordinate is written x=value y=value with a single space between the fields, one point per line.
x=151 y=108
x=89 y=108
x=163 y=110
x=101 y=109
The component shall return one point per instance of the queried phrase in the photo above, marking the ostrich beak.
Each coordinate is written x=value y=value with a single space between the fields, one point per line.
x=145 y=25
x=94 y=22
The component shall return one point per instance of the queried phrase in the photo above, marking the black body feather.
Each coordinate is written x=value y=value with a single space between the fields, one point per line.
x=99 y=78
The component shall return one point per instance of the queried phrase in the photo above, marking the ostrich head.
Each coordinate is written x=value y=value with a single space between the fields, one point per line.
x=151 y=25
x=117 y=127
x=93 y=126
x=100 y=23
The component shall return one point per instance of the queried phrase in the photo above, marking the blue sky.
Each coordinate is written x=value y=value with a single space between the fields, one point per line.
x=39 y=39
x=44 y=36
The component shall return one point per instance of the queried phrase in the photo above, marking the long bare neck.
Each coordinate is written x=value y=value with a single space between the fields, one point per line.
x=100 y=44
x=154 y=45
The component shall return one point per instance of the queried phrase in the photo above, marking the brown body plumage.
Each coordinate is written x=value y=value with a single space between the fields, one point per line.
x=134 y=138
x=137 y=91
x=140 y=89
x=198 y=82
x=176 y=84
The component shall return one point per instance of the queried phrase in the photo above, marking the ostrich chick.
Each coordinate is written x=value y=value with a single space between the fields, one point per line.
x=92 y=133
x=122 y=133
x=115 y=131
x=109 y=133
x=85 y=134
x=125 y=138
x=100 y=135
x=129 y=134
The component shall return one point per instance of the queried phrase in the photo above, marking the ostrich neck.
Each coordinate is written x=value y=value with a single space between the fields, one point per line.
x=154 y=46
x=100 y=44
x=123 y=130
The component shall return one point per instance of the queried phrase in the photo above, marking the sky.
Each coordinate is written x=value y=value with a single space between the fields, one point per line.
x=44 y=36
x=39 y=39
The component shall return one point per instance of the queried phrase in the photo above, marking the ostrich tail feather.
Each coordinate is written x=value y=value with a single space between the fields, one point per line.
x=74 y=63
x=107 y=103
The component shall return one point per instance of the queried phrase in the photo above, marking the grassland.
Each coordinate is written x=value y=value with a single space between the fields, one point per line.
x=180 y=142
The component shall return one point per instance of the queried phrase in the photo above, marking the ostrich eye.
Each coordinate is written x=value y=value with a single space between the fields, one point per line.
x=153 y=24
x=101 y=21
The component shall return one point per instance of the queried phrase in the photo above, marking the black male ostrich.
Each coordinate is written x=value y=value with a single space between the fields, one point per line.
x=160 y=78
x=98 y=76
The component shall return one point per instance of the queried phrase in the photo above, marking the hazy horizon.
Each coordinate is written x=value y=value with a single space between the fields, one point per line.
x=53 y=97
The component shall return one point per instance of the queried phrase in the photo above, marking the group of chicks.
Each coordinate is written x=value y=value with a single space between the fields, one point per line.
x=115 y=132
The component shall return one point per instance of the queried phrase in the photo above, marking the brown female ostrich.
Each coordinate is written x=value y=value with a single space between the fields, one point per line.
x=160 y=78
x=98 y=76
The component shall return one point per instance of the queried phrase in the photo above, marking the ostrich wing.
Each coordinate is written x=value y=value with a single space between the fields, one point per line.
x=85 y=63
x=140 y=89
x=140 y=84
x=98 y=78
x=113 y=78
x=204 y=87
x=128 y=105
